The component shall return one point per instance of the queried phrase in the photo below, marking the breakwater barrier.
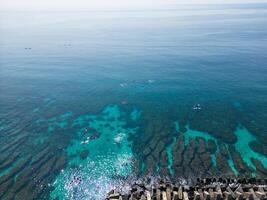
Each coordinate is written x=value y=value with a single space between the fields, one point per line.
x=202 y=189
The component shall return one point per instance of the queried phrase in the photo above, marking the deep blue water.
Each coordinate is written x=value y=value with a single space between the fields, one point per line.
x=107 y=95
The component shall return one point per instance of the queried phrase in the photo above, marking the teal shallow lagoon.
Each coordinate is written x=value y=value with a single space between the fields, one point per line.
x=91 y=100
x=109 y=156
x=244 y=138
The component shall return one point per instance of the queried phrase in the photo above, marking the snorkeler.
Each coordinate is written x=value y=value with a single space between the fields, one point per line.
x=197 y=107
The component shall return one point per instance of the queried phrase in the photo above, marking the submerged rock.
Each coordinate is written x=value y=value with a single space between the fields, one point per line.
x=46 y=169
x=14 y=144
x=201 y=145
x=42 y=154
x=4 y=187
x=239 y=163
x=211 y=147
x=9 y=178
x=258 y=147
x=60 y=164
x=9 y=162
x=177 y=151
x=261 y=170
x=84 y=154
x=197 y=166
x=223 y=150
x=15 y=170
x=222 y=165
x=164 y=164
x=150 y=165
x=207 y=162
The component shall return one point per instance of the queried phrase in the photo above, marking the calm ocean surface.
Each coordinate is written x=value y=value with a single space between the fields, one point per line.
x=92 y=100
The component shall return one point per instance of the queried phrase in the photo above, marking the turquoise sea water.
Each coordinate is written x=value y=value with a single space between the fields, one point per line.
x=93 y=100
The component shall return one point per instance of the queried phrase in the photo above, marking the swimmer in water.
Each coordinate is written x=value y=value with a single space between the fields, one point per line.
x=197 y=107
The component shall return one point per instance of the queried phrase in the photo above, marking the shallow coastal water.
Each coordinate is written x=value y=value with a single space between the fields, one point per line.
x=93 y=100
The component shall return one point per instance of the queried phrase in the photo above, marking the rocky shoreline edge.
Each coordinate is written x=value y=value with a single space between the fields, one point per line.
x=201 y=189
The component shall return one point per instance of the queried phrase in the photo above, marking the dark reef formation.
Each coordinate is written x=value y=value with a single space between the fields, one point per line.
x=28 y=169
x=199 y=156
x=31 y=176
x=151 y=148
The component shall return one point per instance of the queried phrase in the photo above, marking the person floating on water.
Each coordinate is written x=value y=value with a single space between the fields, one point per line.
x=197 y=107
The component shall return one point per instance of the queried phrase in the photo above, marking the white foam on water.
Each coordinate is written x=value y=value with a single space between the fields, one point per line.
x=120 y=137
x=123 y=85
x=96 y=181
x=109 y=161
x=151 y=81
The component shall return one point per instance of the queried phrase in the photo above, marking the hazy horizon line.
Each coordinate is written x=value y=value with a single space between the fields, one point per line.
x=137 y=7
